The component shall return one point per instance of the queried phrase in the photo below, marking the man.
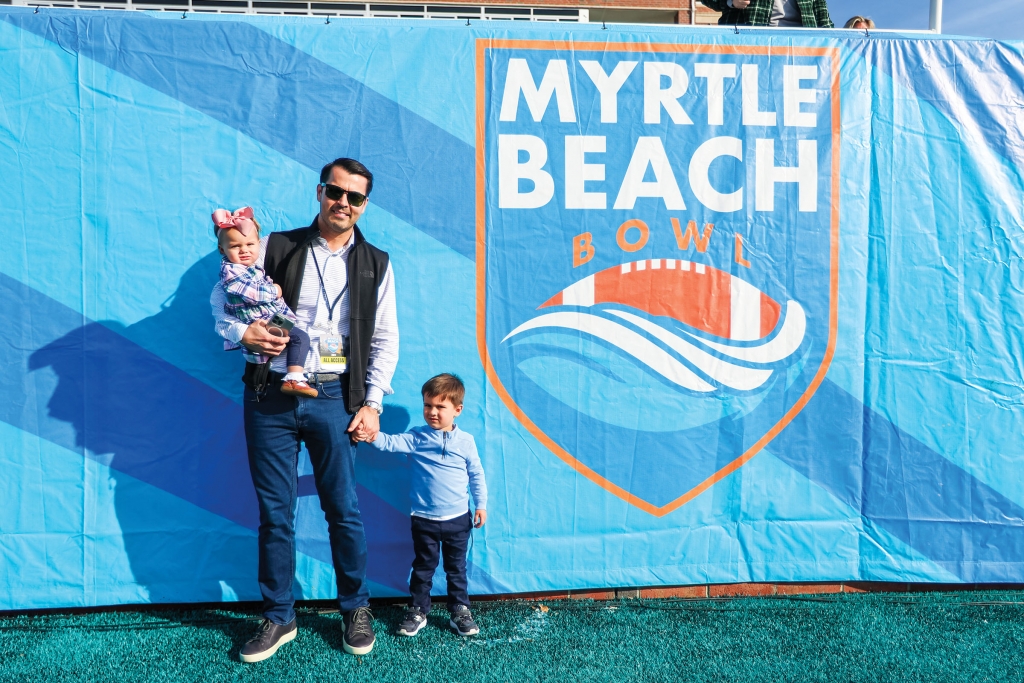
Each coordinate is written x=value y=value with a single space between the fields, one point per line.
x=781 y=13
x=341 y=289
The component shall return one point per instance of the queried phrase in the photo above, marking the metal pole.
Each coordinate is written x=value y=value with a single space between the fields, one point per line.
x=935 y=16
x=693 y=12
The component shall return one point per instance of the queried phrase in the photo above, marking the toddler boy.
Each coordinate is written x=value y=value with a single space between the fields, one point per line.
x=444 y=466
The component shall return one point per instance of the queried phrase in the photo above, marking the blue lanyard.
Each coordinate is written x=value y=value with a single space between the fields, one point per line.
x=323 y=288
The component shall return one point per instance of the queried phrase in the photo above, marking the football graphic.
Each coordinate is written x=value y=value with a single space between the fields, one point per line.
x=698 y=327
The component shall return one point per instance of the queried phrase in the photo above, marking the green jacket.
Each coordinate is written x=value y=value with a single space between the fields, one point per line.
x=813 y=13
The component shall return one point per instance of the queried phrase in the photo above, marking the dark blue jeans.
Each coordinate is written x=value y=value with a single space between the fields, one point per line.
x=450 y=539
x=274 y=427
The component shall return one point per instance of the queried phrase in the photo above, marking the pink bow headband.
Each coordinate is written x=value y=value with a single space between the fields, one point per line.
x=241 y=220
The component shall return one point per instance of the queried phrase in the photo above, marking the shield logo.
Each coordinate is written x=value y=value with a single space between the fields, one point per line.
x=657 y=251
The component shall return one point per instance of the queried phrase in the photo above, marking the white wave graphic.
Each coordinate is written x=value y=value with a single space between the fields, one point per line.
x=624 y=338
x=720 y=370
x=779 y=348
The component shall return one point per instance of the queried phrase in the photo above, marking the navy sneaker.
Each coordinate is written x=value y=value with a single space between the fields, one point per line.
x=412 y=623
x=462 y=621
x=359 y=637
x=269 y=636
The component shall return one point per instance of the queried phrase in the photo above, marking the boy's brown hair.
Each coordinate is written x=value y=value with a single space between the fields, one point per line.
x=447 y=387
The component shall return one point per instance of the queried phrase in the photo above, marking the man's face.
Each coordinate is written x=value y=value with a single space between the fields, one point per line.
x=338 y=216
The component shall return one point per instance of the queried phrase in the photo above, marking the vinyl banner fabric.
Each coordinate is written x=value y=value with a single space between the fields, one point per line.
x=730 y=305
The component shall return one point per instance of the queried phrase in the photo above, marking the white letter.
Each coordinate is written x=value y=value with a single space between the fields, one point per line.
x=519 y=79
x=655 y=98
x=805 y=174
x=578 y=172
x=649 y=152
x=715 y=75
x=752 y=115
x=701 y=185
x=510 y=171
x=793 y=95
x=608 y=86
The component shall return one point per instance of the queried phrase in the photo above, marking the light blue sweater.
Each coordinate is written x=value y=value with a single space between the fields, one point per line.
x=444 y=467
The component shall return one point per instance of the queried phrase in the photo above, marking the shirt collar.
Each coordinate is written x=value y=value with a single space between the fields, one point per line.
x=322 y=243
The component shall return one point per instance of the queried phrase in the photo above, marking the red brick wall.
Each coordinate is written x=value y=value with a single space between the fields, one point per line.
x=749 y=590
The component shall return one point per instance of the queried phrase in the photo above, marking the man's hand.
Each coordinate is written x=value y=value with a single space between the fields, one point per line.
x=479 y=518
x=740 y=4
x=364 y=425
x=260 y=339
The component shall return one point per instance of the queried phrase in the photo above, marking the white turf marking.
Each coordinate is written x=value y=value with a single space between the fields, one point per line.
x=700 y=268
x=670 y=264
x=684 y=265
x=744 y=310
x=641 y=265
x=655 y=264
x=580 y=293
x=626 y=267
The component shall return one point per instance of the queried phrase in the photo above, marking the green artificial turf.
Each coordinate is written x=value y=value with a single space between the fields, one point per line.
x=870 y=637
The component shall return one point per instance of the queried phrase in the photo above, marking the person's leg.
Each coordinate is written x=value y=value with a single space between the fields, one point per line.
x=273 y=444
x=426 y=544
x=297 y=349
x=322 y=424
x=454 y=545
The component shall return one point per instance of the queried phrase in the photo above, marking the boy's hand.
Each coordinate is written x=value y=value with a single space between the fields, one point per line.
x=365 y=425
x=479 y=518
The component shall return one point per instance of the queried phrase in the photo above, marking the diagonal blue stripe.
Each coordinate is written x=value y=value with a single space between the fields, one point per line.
x=287 y=100
x=983 y=76
x=906 y=488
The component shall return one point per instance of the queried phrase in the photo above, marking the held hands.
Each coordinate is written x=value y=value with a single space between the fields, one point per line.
x=479 y=518
x=261 y=339
x=364 y=425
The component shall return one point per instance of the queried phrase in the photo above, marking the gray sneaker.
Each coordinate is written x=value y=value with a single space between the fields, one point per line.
x=412 y=623
x=269 y=636
x=462 y=621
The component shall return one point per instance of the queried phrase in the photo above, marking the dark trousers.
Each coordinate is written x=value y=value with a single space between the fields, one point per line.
x=274 y=427
x=449 y=539
x=297 y=348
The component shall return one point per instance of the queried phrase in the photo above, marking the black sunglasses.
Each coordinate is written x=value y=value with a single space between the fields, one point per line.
x=334 y=193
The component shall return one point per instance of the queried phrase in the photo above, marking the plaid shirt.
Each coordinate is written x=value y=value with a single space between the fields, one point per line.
x=813 y=13
x=251 y=296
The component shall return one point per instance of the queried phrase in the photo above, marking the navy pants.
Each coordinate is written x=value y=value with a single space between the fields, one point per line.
x=449 y=539
x=274 y=427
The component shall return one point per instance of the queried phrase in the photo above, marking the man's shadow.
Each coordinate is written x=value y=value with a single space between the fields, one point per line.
x=159 y=403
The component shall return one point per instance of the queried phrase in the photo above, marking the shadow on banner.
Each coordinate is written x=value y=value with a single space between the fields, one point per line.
x=151 y=422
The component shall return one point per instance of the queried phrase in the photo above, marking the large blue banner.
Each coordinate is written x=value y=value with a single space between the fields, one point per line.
x=729 y=306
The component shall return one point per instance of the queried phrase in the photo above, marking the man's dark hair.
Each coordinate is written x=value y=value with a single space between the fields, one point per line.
x=350 y=165
x=447 y=387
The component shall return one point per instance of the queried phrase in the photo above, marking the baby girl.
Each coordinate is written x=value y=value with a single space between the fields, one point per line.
x=251 y=295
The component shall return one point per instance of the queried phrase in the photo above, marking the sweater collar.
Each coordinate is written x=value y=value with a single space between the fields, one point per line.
x=454 y=430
